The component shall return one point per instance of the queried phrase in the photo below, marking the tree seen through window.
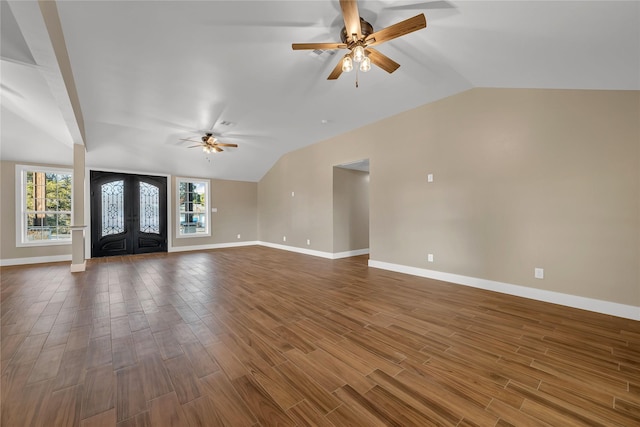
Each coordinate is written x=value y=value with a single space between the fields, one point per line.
x=47 y=205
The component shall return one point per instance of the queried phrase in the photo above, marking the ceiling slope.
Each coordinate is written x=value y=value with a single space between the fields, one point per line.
x=41 y=115
x=149 y=73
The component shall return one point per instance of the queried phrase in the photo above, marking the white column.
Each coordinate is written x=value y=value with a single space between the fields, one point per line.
x=78 y=263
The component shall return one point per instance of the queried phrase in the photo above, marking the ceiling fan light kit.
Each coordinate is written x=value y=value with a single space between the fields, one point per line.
x=365 y=65
x=358 y=37
x=347 y=64
x=358 y=53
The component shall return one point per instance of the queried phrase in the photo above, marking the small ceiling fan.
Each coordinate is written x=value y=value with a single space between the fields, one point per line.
x=359 y=38
x=209 y=143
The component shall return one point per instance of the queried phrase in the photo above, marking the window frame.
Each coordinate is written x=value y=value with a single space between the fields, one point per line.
x=207 y=207
x=21 y=205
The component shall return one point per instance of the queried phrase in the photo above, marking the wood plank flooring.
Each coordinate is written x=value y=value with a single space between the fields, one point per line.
x=255 y=336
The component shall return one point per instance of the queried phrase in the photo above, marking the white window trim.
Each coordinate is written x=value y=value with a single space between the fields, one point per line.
x=207 y=184
x=21 y=237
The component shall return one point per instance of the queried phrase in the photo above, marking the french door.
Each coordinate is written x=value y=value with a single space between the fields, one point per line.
x=128 y=214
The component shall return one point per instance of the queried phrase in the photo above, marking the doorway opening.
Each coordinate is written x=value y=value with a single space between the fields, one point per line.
x=128 y=214
x=351 y=208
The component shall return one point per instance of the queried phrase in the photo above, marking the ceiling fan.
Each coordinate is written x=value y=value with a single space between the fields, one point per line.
x=209 y=143
x=358 y=37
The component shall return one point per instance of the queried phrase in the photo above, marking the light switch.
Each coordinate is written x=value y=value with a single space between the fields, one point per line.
x=430 y=177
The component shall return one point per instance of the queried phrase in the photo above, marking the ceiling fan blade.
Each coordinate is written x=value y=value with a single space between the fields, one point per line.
x=194 y=146
x=382 y=61
x=351 y=18
x=224 y=144
x=186 y=139
x=321 y=46
x=402 y=28
x=217 y=149
x=335 y=73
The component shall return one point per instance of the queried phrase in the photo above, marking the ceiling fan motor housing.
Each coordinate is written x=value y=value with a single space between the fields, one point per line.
x=365 y=29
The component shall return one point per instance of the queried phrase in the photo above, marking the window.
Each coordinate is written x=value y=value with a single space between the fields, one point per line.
x=43 y=206
x=193 y=207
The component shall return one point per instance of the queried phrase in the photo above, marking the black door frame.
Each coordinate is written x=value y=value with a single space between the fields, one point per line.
x=132 y=241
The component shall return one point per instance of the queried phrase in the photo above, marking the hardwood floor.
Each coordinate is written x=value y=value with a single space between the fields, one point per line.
x=258 y=337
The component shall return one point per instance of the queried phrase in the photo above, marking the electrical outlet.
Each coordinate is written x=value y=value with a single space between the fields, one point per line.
x=430 y=257
x=284 y=238
x=538 y=273
x=293 y=194
x=430 y=177
x=238 y=236
x=308 y=242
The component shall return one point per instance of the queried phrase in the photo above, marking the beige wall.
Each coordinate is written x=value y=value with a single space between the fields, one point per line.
x=522 y=179
x=350 y=210
x=308 y=214
x=236 y=202
x=8 y=248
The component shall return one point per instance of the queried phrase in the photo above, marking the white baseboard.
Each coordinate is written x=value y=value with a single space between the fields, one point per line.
x=590 y=304
x=328 y=255
x=34 y=260
x=322 y=254
x=78 y=268
x=348 y=254
x=211 y=246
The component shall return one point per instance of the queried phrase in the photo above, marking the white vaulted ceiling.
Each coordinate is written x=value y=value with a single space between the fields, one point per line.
x=148 y=73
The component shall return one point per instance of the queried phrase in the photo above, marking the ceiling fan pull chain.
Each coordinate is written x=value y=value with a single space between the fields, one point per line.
x=357 y=78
